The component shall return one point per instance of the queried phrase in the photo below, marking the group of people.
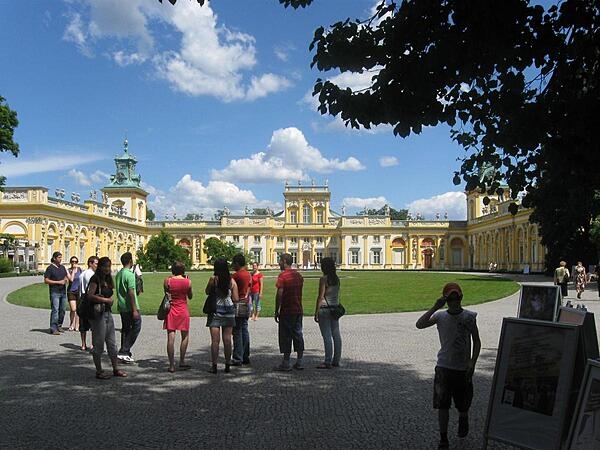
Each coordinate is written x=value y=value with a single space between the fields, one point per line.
x=238 y=299
x=562 y=276
x=97 y=284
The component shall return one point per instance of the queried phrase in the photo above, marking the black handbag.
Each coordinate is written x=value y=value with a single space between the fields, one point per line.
x=210 y=304
x=165 y=305
x=85 y=308
x=336 y=311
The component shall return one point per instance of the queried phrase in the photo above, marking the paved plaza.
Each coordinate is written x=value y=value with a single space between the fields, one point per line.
x=379 y=399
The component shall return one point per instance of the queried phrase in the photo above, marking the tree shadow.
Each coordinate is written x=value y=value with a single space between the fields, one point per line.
x=46 y=397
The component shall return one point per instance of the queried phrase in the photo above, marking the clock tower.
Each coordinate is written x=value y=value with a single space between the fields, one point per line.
x=124 y=194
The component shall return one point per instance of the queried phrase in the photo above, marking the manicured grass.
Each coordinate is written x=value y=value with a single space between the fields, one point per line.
x=361 y=292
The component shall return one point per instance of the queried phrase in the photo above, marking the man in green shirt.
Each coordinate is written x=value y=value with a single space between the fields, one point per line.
x=131 y=320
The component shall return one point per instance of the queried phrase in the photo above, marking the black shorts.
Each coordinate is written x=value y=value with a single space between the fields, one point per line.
x=451 y=385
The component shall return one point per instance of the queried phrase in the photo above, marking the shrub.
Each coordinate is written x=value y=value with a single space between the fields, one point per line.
x=6 y=265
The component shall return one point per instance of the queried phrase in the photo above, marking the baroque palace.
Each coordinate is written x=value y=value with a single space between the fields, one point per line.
x=113 y=221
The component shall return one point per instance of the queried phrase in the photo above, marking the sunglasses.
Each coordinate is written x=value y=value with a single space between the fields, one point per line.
x=74 y=261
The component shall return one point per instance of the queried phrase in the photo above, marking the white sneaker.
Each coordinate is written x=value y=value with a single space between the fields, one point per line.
x=126 y=359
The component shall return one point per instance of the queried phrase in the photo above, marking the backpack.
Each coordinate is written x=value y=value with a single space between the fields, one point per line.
x=139 y=282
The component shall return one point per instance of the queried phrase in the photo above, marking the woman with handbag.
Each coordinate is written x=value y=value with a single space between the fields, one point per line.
x=100 y=292
x=222 y=321
x=178 y=317
x=327 y=299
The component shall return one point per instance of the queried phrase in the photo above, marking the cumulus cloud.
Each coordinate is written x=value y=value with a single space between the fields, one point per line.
x=209 y=59
x=369 y=203
x=388 y=161
x=454 y=203
x=288 y=156
x=192 y=196
x=87 y=179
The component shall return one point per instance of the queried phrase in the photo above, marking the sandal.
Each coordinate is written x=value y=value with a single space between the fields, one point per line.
x=119 y=373
x=102 y=375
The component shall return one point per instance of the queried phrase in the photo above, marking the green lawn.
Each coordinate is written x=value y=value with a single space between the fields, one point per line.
x=361 y=292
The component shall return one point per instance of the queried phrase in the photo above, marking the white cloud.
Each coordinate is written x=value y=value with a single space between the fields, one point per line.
x=80 y=178
x=287 y=157
x=370 y=202
x=388 y=161
x=454 y=203
x=57 y=162
x=210 y=60
x=192 y=196
x=76 y=32
x=282 y=51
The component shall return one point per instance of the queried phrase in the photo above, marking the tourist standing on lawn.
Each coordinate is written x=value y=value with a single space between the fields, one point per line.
x=327 y=298
x=73 y=289
x=288 y=313
x=256 y=291
x=222 y=321
x=580 y=278
x=100 y=291
x=56 y=279
x=561 y=277
x=84 y=281
x=178 y=317
x=241 y=336
x=455 y=362
x=129 y=308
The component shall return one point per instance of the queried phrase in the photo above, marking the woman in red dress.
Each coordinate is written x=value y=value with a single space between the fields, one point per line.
x=178 y=318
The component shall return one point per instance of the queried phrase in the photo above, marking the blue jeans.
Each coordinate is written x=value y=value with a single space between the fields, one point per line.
x=332 y=340
x=255 y=302
x=130 y=330
x=58 y=302
x=241 y=340
x=290 y=331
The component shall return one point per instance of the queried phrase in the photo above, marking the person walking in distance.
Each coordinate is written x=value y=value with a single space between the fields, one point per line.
x=73 y=290
x=457 y=327
x=84 y=280
x=288 y=313
x=241 y=336
x=56 y=278
x=561 y=278
x=256 y=291
x=129 y=309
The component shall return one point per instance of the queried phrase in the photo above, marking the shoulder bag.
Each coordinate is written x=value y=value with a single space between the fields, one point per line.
x=336 y=311
x=165 y=305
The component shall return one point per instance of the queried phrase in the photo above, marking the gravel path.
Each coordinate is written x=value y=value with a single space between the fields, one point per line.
x=379 y=399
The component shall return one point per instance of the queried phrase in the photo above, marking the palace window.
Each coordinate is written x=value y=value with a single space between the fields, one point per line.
x=319 y=240
x=376 y=256
x=280 y=239
x=293 y=217
x=294 y=240
x=257 y=239
x=319 y=216
x=353 y=256
x=333 y=255
x=256 y=256
x=333 y=240
x=236 y=239
x=306 y=214
x=319 y=257
x=294 y=257
x=376 y=239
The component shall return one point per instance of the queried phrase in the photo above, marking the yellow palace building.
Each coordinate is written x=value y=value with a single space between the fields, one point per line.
x=113 y=221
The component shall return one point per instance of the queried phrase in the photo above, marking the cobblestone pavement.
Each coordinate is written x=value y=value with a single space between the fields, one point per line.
x=379 y=399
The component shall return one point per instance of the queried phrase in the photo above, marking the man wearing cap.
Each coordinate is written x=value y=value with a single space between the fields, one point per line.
x=456 y=360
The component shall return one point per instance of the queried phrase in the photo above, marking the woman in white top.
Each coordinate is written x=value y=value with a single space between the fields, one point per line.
x=329 y=289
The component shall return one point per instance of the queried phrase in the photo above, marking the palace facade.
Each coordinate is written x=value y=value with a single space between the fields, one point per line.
x=113 y=221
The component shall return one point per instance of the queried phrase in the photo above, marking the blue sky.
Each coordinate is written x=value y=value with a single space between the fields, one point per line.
x=215 y=102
